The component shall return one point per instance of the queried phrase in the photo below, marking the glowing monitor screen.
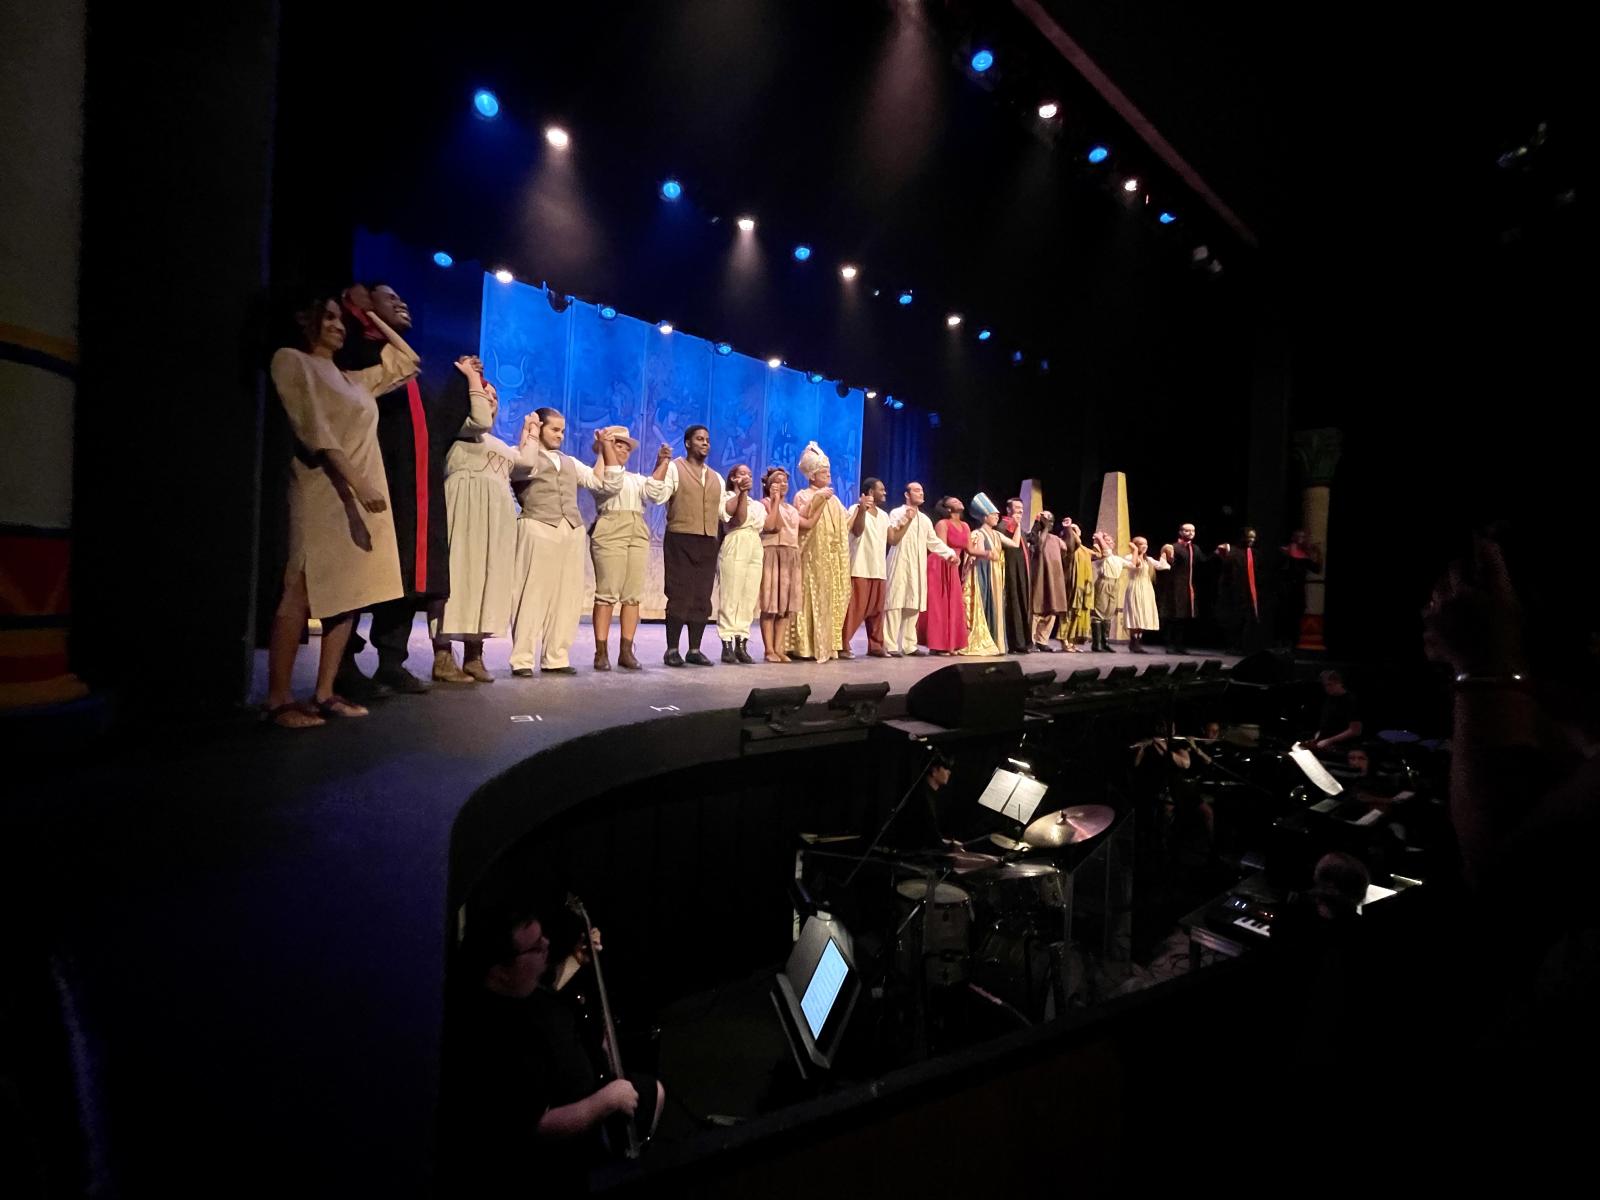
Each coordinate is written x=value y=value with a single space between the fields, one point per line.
x=824 y=987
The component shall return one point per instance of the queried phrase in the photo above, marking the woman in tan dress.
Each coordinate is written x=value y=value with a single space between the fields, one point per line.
x=342 y=553
x=818 y=629
x=780 y=564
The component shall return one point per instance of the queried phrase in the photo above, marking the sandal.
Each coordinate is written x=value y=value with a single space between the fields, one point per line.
x=338 y=706
x=276 y=716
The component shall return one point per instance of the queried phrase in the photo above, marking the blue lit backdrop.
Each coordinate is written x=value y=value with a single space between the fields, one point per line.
x=624 y=372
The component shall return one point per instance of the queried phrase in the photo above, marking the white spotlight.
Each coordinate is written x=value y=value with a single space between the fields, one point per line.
x=953 y=320
x=871 y=395
x=747 y=224
x=1130 y=185
x=774 y=362
x=665 y=327
x=847 y=271
x=1047 y=110
x=504 y=276
x=557 y=137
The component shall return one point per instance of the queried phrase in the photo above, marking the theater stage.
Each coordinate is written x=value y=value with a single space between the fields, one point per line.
x=249 y=923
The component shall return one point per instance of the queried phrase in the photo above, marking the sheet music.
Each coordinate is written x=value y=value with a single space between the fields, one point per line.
x=1315 y=771
x=1013 y=795
x=998 y=793
x=1024 y=800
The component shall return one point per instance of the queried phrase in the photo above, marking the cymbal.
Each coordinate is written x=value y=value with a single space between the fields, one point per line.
x=965 y=861
x=1026 y=869
x=1068 y=827
x=1005 y=843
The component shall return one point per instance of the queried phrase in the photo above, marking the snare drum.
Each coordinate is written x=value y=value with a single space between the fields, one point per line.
x=1018 y=891
x=940 y=935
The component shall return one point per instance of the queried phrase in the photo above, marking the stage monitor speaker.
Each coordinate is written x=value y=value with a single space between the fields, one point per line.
x=1265 y=666
x=1155 y=673
x=979 y=696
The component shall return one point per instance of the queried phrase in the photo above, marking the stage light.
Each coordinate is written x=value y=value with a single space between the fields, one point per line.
x=871 y=395
x=905 y=297
x=801 y=253
x=814 y=377
x=671 y=189
x=1167 y=218
x=747 y=224
x=933 y=419
x=888 y=401
x=984 y=335
x=1044 y=364
x=486 y=103
x=724 y=349
x=1099 y=154
x=899 y=404
x=1130 y=185
x=982 y=61
x=1016 y=357
x=607 y=313
x=847 y=271
x=1048 y=110
x=842 y=390
x=664 y=327
x=443 y=259
x=504 y=276
x=557 y=137
x=953 y=320
x=774 y=362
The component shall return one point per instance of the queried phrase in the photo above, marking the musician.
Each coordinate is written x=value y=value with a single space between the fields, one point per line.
x=523 y=1105
x=1340 y=721
x=922 y=822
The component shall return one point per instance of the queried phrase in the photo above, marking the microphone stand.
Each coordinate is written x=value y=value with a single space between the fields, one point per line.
x=884 y=828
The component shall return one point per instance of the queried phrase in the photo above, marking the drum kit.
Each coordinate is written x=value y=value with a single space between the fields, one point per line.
x=961 y=899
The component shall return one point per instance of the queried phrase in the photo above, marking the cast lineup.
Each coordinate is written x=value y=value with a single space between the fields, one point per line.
x=401 y=499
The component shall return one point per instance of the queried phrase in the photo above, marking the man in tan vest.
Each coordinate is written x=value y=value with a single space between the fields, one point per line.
x=693 y=494
x=548 y=571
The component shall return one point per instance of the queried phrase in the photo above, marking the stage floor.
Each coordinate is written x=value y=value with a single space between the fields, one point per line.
x=565 y=706
x=250 y=922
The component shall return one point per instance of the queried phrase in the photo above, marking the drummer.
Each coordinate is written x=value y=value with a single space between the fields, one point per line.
x=923 y=822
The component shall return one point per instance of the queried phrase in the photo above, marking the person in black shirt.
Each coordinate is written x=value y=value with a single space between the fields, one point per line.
x=523 y=1106
x=1340 y=721
x=922 y=822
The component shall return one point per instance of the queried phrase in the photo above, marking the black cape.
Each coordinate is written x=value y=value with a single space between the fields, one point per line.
x=425 y=414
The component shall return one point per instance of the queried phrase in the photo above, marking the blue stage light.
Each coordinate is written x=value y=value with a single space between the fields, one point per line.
x=801 y=253
x=1044 y=364
x=1016 y=356
x=984 y=335
x=671 y=189
x=905 y=297
x=443 y=259
x=1167 y=218
x=724 y=348
x=1099 y=154
x=607 y=313
x=486 y=103
x=933 y=419
x=899 y=404
x=982 y=61
x=814 y=377
x=888 y=401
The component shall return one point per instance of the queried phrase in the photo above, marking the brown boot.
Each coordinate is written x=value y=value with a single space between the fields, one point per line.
x=625 y=658
x=475 y=668
x=602 y=656
x=445 y=669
